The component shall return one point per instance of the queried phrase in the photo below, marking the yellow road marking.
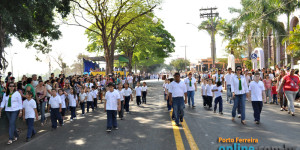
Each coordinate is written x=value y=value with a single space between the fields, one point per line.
x=177 y=135
x=189 y=136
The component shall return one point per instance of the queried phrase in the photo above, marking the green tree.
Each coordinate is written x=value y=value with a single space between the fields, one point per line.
x=31 y=22
x=107 y=20
x=294 y=41
x=237 y=47
x=180 y=64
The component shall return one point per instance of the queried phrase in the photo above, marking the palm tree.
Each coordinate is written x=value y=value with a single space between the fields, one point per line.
x=228 y=30
x=237 y=47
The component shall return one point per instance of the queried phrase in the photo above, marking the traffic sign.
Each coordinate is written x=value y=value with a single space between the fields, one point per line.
x=253 y=56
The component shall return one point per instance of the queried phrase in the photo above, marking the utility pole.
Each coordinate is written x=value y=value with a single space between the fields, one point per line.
x=208 y=13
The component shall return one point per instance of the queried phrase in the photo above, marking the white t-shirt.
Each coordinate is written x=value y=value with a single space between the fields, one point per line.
x=72 y=100
x=95 y=93
x=219 y=77
x=203 y=88
x=89 y=85
x=55 y=101
x=129 y=79
x=228 y=78
x=29 y=108
x=187 y=83
x=48 y=87
x=127 y=92
x=90 y=96
x=208 y=89
x=138 y=91
x=144 y=88
x=112 y=100
x=177 y=89
x=63 y=101
x=16 y=102
x=256 y=89
x=218 y=93
x=121 y=94
x=82 y=97
x=271 y=76
x=35 y=83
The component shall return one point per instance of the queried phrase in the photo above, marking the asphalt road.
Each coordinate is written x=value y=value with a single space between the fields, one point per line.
x=149 y=127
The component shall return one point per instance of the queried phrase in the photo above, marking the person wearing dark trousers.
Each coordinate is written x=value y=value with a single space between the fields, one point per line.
x=218 y=97
x=112 y=104
x=73 y=102
x=127 y=96
x=257 y=91
x=144 y=92
x=178 y=98
x=90 y=102
x=29 y=113
x=121 y=92
x=209 y=93
x=55 y=105
x=138 y=93
x=82 y=100
x=95 y=95
x=203 y=92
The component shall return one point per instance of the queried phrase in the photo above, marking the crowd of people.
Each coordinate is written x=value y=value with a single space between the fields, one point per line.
x=279 y=86
x=31 y=97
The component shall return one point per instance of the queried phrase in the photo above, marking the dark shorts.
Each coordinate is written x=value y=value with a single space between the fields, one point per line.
x=63 y=111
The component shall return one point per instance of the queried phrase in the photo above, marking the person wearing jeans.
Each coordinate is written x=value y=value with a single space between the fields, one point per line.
x=12 y=102
x=178 y=90
x=290 y=84
x=268 y=86
x=227 y=79
x=191 y=86
x=239 y=88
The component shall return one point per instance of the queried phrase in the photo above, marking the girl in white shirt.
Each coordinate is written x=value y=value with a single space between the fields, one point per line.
x=82 y=100
x=138 y=93
x=203 y=92
x=144 y=92
x=63 y=95
x=90 y=102
x=73 y=102
x=209 y=94
x=12 y=101
x=29 y=113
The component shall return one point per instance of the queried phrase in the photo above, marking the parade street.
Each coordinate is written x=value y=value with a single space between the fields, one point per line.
x=150 y=127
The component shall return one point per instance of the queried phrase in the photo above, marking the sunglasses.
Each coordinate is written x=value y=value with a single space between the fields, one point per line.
x=11 y=86
x=239 y=69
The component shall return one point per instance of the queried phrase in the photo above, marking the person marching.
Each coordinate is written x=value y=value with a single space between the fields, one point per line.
x=112 y=104
x=218 y=90
x=138 y=93
x=144 y=92
x=73 y=103
x=55 y=105
x=191 y=85
x=95 y=95
x=219 y=77
x=127 y=96
x=178 y=90
x=121 y=92
x=228 y=81
x=203 y=92
x=29 y=113
x=90 y=102
x=166 y=92
x=257 y=91
x=82 y=100
x=239 y=89
x=12 y=101
x=209 y=93
x=63 y=95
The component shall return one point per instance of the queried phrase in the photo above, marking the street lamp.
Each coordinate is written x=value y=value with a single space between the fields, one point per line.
x=11 y=62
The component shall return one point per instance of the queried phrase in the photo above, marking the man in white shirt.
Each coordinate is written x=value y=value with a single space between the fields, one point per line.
x=191 y=86
x=228 y=81
x=219 y=77
x=55 y=105
x=130 y=80
x=112 y=104
x=257 y=91
x=177 y=90
x=35 y=82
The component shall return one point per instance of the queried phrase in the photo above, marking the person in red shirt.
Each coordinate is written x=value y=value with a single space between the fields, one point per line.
x=274 y=93
x=290 y=85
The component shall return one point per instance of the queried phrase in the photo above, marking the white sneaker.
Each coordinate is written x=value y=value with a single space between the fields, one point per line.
x=239 y=115
x=71 y=119
x=75 y=118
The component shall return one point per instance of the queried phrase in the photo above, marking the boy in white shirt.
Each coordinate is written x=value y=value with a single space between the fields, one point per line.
x=90 y=102
x=55 y=105
x=144 y=92
x=127 y=96
x=63 y=95
x=112 y=104
x=95 y=94
x=257 y=91
x=218 y=97
x=82 y=100
x=138 y=93
x=29 y=113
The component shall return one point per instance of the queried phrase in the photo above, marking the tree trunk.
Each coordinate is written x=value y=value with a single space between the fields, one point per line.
x=3 y=62
x=130 y=55
x=265 y=47
x=249 y=47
